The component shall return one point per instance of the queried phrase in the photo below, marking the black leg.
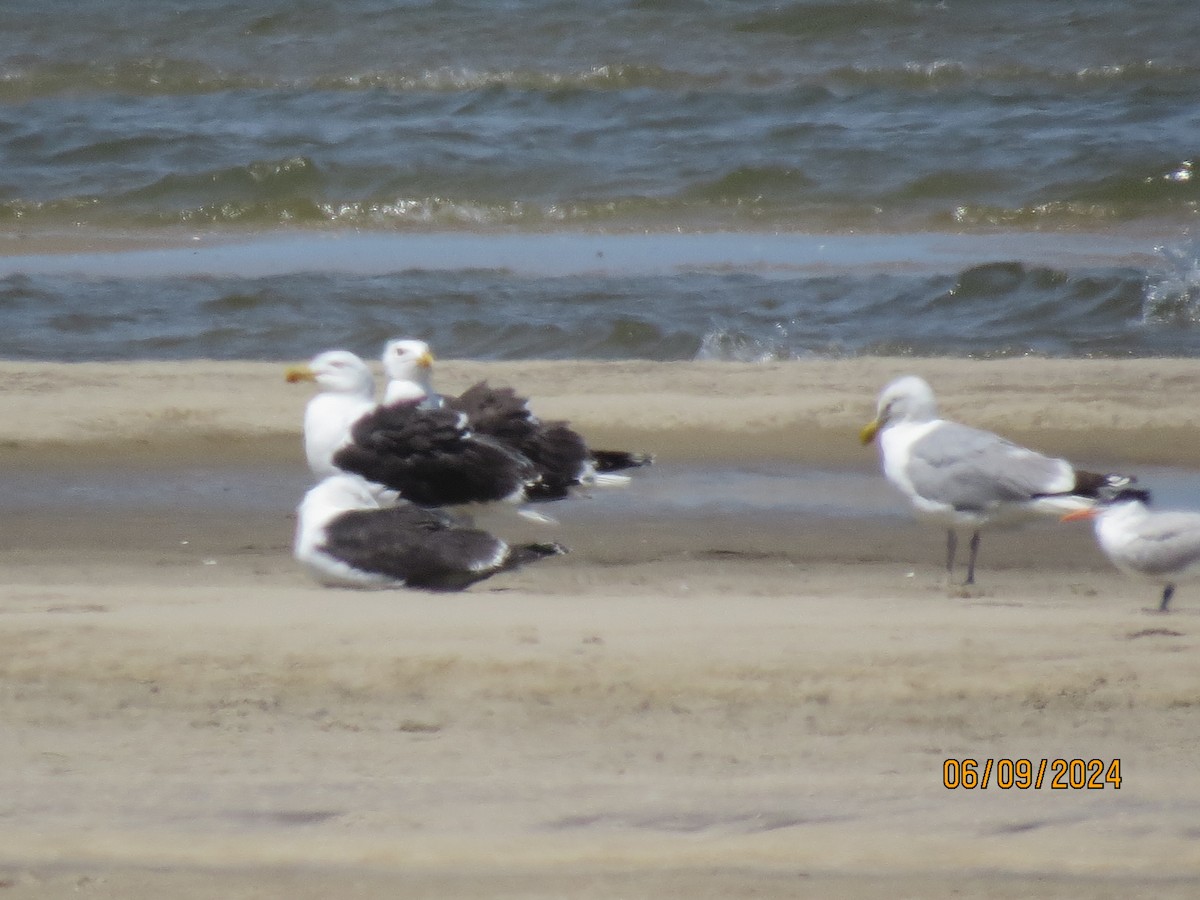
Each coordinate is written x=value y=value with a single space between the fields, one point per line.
x=1168 y=593
x=974 y=553
x=951 y=549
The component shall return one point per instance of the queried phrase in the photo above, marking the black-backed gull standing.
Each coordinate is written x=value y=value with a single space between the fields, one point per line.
x=433 y=458
x=430 y=457
x=963 y=477
x=347 y=539
x=561 y=455
x=347 y=393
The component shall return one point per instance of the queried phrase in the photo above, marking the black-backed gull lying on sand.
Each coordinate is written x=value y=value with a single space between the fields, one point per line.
x=560 y=455
x=346 y=538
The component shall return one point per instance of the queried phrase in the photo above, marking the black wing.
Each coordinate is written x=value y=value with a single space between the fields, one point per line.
x=431 y=458
x=616 y=460
x=423 y=548
x=560 y=454
x=497 y=412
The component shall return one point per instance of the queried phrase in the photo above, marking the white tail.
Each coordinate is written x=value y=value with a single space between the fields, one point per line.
x=610 y=479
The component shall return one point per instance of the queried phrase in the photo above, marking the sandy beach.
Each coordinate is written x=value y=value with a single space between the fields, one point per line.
x=685 y=706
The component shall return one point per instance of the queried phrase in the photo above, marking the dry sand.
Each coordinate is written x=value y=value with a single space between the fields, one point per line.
x=680 y=708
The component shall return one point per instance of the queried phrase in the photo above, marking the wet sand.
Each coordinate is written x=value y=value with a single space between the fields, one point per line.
x=697 y=706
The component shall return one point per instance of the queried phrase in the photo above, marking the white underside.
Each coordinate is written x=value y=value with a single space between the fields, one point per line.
x=325 y=501
x=327 y=422
x=334 y=573
x=1122 y=533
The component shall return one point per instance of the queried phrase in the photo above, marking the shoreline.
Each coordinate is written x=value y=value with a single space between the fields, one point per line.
x=691 y=705
x=804 y=411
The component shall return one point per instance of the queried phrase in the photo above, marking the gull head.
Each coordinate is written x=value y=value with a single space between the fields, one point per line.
x=409 y=367
x=339 y=371
x=406 y=359
x=1132 y=500
x=907 y=399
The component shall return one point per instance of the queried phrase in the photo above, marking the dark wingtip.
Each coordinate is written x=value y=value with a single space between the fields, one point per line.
x=527 y=553
x=1100 y=487
x=616 y=460
x=541 y=492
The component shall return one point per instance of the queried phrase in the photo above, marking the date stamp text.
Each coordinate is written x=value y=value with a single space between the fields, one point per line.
x=1025 y=774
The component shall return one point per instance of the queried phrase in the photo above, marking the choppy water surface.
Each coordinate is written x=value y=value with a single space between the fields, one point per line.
x=719 y=297
x=642 y=118
x=550 y=113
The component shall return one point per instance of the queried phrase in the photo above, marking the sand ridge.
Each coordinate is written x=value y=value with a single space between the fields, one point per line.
x=805 y=410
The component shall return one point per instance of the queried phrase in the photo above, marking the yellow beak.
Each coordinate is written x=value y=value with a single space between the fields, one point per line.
x=426 y=360
x=869 y=431
x=1078 y=515
x=300 y=373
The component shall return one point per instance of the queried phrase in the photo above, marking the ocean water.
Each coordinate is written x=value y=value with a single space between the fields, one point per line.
x=1023 y=131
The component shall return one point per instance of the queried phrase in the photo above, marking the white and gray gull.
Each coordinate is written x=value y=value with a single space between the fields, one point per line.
x=964 y=477
x=1160 y=545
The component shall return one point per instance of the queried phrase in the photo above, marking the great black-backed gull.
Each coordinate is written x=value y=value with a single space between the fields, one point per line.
x=430 y=457
x=433 y=458
x=347 y=393
x=408 y=365
x=347 y=539
x=1163 y=546
x=560 y=454
x=963 y=477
